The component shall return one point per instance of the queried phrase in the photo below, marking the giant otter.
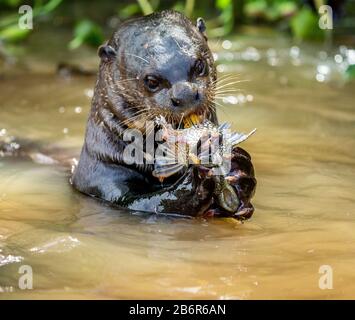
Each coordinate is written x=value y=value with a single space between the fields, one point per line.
x=159 y=64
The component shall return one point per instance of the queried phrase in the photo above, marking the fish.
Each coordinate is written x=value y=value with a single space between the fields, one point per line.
x=180 y=148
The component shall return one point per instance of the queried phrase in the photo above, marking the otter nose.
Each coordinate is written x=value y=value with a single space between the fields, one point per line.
x=184 y=94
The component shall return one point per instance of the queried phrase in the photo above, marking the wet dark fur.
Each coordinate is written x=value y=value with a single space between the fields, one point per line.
x=167 y=43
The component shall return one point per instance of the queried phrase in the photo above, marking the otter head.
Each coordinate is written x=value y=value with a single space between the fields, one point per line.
x=160 y=65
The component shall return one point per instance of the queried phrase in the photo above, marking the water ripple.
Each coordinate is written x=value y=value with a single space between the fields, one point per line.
x=60 y=244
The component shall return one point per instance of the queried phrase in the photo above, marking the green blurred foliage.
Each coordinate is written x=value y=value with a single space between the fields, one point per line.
x=224 y=16
x=13 y=33
x=9 y=29
x=270 y=10
x=350 y=72
x=304 y=25
x=129 y=11
x=86 y=32
x=11 y=3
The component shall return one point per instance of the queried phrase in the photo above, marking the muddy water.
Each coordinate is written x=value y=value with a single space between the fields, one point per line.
x=304 y=154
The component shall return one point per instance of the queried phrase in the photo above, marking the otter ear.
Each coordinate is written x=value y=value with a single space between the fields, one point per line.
x=106 y=52
x=201 y=26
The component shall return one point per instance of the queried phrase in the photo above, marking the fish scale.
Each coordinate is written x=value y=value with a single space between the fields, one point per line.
x=181 y=146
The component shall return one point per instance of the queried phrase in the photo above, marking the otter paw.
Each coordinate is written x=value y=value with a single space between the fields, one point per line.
x=242 y=178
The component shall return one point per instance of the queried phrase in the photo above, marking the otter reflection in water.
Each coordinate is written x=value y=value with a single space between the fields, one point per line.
x=157 y=65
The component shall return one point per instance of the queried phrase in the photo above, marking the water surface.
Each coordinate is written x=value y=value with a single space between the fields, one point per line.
x=303 y=152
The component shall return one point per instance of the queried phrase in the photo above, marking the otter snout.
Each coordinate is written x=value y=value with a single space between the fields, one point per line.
x=184 y=94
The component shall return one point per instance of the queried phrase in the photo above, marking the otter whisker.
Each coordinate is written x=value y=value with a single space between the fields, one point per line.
x=133 y=55
x=216 y=43
x=182 y=117
x=228 y=91
x=225 y=85
x=220 y=105
x=138 y=113
x=221 y=97
x=125 y=80
x=226 y=94
x=236 y=81
x=211 y=107
x=230 y=84
x=177 y=43
x=134 y=117
x=135 y=108
x=226 y=78
x=151 y=128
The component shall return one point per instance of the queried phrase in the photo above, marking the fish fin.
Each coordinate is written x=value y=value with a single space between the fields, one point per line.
x=204 y=155
x=237 y=138
x=224 y=126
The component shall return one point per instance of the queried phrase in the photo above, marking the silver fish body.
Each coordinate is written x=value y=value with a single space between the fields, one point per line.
x=201 y=144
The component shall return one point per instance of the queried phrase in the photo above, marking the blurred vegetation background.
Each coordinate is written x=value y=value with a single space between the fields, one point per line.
x=93 y=21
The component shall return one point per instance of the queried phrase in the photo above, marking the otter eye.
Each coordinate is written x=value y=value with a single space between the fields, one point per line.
x=152 y=83
x=200 y=67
